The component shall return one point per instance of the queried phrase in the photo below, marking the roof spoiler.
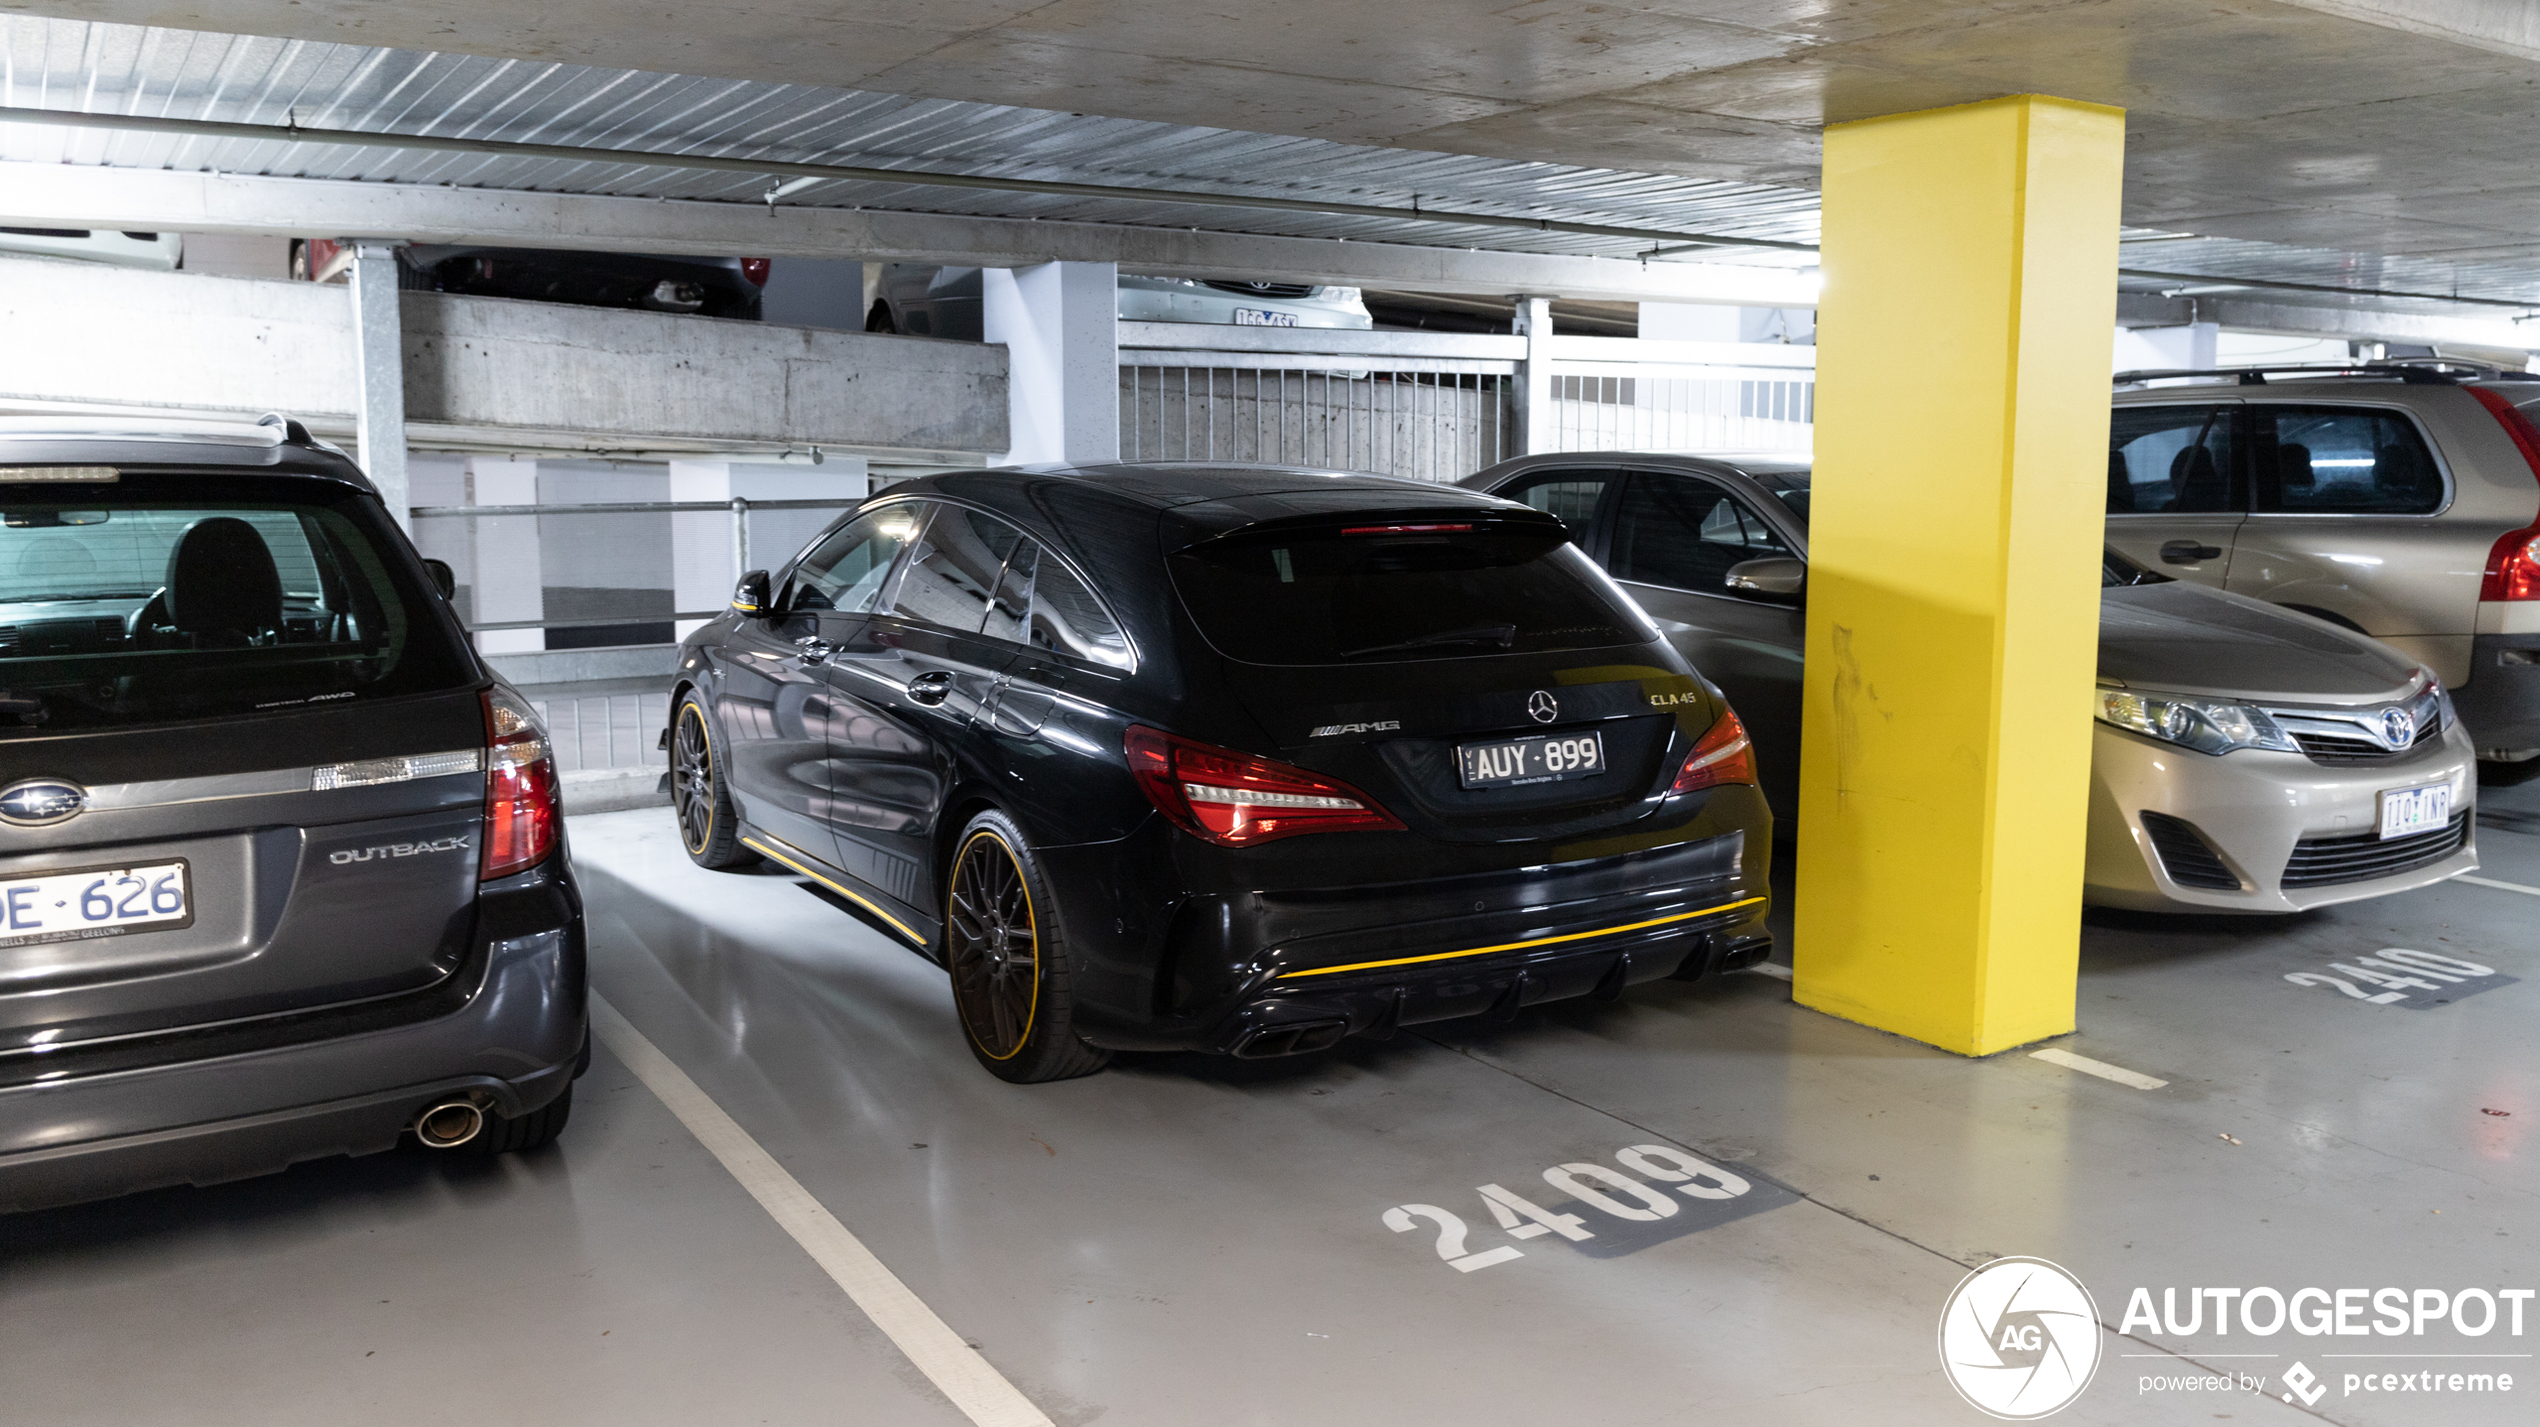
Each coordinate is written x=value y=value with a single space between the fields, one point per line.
x=292 y=431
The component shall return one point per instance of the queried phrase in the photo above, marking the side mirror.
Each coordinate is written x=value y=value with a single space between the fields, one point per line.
x=1777 y=577
x=444 y=579
x=750 y=596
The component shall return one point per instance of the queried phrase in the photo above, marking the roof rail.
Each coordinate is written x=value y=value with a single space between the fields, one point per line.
x=2415 y=371
x=292 y=431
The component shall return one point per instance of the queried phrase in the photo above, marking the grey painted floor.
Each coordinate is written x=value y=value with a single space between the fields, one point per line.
x=1184 y=1241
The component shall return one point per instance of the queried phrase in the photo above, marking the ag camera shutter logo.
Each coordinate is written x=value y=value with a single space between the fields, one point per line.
x=2019 y=1339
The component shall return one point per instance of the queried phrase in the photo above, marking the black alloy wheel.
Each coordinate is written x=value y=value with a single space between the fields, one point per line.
x=1009 y=973
x=708 y=828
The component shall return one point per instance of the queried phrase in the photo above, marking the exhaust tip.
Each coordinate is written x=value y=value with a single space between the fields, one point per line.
x=450 y=1124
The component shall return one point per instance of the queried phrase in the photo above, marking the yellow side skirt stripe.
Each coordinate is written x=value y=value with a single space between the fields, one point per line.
x=763 y=850
x=1522 y=945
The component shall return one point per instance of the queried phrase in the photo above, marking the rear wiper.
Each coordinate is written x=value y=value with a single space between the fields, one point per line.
x=1502 y=635
x=27 y=709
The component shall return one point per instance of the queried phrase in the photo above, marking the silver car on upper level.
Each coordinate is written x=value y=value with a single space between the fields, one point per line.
x=2245 y=759
x=2400 y=501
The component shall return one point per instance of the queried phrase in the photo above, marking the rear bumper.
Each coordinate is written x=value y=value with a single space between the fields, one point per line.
x=2500 y=702
x=516 y=1038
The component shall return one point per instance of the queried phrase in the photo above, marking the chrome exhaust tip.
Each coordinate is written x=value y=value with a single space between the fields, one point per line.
x=450 y=1124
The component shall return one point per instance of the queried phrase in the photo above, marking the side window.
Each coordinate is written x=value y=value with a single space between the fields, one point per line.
x=1010 y=607
x=1067 y=619
x=1569 y=495
x=2170 y=459
x=1684 y=534
x=953 y=568
x=2344 y=460
x=845 y=571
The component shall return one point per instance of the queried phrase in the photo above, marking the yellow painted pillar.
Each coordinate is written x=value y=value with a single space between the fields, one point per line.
x=1953 y=587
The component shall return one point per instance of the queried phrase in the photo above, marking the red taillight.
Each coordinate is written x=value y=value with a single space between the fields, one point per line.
x=1236 y=799
x=1721 y=755
x=521 y=811
x=2513 y=562
x=755 y=269
x=1402 y=529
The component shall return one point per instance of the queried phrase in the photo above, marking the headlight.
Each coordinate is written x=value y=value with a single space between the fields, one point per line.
x=2206 y=725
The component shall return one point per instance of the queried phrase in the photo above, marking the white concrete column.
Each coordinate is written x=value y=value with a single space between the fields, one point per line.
x=510 y=581
x=703 y=569
x=379 y=356
x=1059 y=324
x=1538 y=426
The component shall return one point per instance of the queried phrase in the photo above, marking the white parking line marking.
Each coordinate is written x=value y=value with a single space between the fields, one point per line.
x=1774 y=969
x=951 y=1364
x=2100 y=1068
x=2499 y=886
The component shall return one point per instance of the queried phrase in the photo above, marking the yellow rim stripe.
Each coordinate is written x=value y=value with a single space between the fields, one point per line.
x=1522 y=945
x=1032 y=919
x=865 y=902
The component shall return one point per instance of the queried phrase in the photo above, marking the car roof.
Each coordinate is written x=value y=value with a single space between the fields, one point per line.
x=276 y=444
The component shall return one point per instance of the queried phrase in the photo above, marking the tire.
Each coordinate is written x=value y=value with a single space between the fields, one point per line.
x=708 y=827
x=1008 y=959
x=534 y=1130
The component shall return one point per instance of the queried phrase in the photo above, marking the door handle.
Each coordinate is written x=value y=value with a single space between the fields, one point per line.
x=2188 y=552
x=931 y=689
x=813 y=651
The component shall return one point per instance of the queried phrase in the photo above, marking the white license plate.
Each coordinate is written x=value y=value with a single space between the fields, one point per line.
x=95 y=901
x=1515 y=761
x=1256 y=317
x=2407 y=811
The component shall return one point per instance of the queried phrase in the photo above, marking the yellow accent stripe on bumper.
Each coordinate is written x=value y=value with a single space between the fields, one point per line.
x=1522 y=945
x=763 y=850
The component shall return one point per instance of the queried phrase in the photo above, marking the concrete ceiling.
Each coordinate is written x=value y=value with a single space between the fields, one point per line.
x=2380 y=127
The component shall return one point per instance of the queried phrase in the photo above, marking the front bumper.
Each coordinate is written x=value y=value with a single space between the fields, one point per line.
x=2252 y=810
x=512 y=1029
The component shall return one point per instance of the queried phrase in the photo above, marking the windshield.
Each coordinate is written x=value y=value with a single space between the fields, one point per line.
x=1400 y=592
x=156 y=598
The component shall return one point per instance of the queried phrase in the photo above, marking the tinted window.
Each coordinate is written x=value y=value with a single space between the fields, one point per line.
x=1323 y=597
x=953 y=566
x=2344 y=459
x=165 y=597
x=1067 y=619
x=1571 y=496
x=1010 y=607
x=1685 y=533
x=845 y=571
x=2170 y=458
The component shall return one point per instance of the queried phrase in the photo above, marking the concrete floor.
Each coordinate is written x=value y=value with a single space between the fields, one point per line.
x=1181 y=1240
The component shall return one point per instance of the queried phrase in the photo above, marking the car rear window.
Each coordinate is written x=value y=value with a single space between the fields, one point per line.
x=158 y=598
x=1444 y=589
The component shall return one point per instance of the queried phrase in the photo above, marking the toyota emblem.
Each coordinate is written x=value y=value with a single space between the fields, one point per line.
x=2398 y=728
x=39 y=801
x=1542 y=707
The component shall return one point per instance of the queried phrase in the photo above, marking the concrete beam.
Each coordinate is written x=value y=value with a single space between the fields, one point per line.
x=490 y=374
x=64 y=195
x=2252 y=314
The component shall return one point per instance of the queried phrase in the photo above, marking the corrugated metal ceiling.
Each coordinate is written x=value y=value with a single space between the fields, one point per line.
x=99 y=68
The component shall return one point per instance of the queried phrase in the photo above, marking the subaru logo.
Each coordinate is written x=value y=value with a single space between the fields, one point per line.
x=39 y=801
x=1542 y=707
x=2398 y=728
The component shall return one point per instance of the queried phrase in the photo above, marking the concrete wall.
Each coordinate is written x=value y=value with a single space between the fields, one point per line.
x=492 y=373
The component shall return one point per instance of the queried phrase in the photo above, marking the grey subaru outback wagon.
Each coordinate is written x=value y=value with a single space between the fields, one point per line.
x=282 y=872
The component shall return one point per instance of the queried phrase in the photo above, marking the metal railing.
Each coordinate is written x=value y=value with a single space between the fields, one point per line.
x=738 y=508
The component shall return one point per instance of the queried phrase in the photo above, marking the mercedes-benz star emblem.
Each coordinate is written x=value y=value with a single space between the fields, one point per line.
x=39 y=801
x=1542 y=707
x=2398 y=728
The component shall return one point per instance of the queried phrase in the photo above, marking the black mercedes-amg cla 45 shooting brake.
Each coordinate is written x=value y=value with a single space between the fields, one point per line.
x=281 y=868
x=1232 y=758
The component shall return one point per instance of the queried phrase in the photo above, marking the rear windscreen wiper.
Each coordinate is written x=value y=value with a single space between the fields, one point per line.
x=1499 y=634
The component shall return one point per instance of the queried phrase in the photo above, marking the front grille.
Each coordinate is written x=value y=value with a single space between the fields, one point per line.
x=2185 y=855
x=2362 y=856
x=1266 y=289
x=2339 y=751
